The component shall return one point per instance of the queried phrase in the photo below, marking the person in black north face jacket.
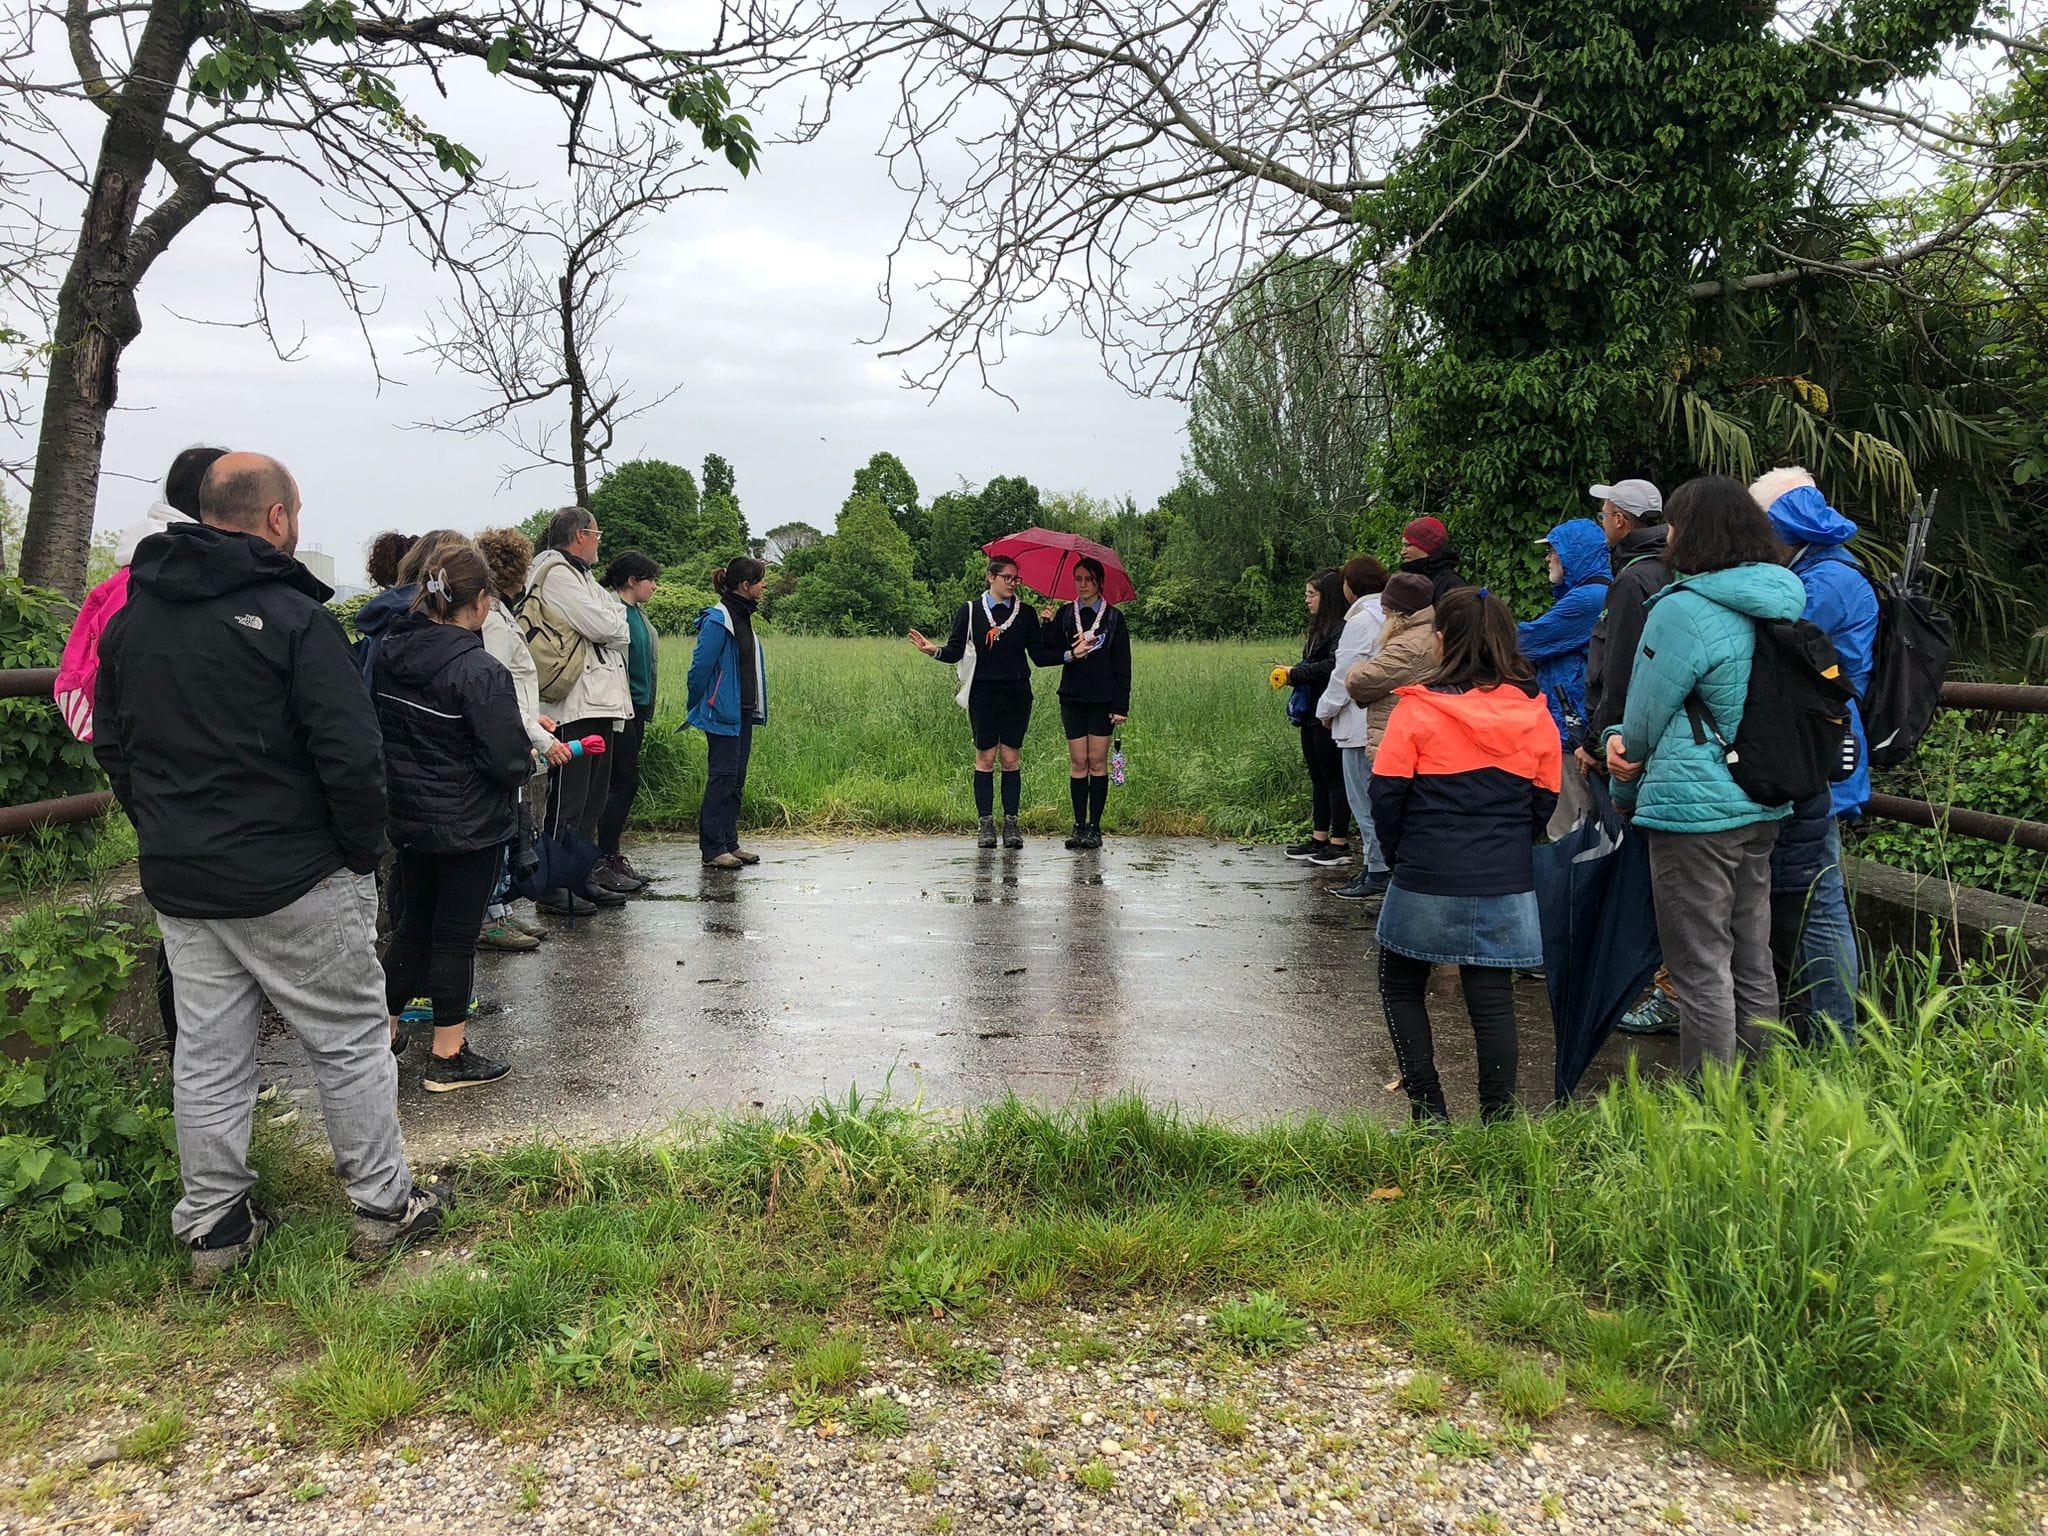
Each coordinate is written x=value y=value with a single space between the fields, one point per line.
x=234 y=727
x=455 y=753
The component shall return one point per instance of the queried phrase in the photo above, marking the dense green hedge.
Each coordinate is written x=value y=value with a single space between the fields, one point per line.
x=1997 y=764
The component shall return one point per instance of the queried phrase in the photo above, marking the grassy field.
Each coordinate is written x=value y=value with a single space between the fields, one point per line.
x=1838 y=1258
x=864 y=734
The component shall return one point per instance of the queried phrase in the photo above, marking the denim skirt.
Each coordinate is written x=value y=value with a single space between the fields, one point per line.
x=1498 y=931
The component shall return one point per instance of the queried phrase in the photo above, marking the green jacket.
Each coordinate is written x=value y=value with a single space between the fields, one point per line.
x=642 y=658
x=1699 y=636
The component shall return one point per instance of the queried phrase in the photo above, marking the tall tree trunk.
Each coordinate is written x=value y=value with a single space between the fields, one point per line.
x=96 y=312
x=572 y=369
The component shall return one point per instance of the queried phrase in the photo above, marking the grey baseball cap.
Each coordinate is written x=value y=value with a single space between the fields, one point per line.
x=1638 y=498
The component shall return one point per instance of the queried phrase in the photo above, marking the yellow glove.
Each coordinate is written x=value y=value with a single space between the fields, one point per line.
x=1279 y=677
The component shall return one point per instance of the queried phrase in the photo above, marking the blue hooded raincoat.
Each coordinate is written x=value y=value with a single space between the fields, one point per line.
x=1556 y=640
x=1839 y=602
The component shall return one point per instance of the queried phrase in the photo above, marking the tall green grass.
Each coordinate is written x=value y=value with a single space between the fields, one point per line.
x=1837 y=1255
x=864 y=735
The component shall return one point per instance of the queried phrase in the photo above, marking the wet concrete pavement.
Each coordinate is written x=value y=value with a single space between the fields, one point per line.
x=1220 y=978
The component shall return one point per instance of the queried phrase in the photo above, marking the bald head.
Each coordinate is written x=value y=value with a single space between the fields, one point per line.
x=252 y=493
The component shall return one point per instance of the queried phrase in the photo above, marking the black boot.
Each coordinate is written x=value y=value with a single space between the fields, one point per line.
x=1013 y=835
x=987 y=838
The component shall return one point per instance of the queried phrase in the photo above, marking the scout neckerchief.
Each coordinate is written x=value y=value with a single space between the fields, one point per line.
x=988 y=610
x=1101 y=613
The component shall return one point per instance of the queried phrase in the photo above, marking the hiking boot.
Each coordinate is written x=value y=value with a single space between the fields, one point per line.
x=626 y=867
x=379 y=1237
x=228 y=1246
x=1013 y=835
x=987 y=836
x=502 y=935
x=1655 y=1015
x=1307 y=848
x=725 y=861
x=465 y=1069
x=564 y=904
x=1365 y=886
x=1327 y=855
x=745 y=857
x=599 y=896
x=1094 y=835
x=1079 y=838
x=607 y=876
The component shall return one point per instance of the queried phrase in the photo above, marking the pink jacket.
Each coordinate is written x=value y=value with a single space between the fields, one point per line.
x=80 y=668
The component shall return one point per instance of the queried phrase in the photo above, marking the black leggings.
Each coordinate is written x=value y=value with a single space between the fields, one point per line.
x=1489 y=999
x=1325 y=761
x=625 y=782
x=434 y=948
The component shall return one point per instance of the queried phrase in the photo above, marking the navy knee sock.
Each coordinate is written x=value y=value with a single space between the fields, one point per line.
x=1098 y=797
x=1077 y=791
x=984 y=792
x=1013 y=790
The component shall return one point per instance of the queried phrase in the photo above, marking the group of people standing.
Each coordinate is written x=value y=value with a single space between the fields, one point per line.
x=996 y=640
x=1458 y=739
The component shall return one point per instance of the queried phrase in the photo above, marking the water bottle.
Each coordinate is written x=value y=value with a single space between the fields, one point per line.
x=1116 y=760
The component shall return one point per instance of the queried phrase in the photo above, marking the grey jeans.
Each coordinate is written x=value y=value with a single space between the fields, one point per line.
x=1713 y=894
x=317 y=961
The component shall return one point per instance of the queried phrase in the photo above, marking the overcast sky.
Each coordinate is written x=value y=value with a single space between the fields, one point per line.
x=753 y=299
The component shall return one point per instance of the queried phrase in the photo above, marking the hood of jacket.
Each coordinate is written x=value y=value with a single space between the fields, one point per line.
x=1581 y=546
x=1637 y=543
x=546 y=561
x=195 y=563
x=384 y=610
x=160 y=516
x=416 y=650
x=717 y=615
x=1802 y=516
x=1761 y=591
x=1499 y=724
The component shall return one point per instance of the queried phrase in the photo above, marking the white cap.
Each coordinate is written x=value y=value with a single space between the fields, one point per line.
x=1638 y=498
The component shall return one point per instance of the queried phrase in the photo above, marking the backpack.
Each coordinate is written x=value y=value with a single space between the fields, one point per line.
x=1794 y=739
x=559 y=651
x=1914 y=642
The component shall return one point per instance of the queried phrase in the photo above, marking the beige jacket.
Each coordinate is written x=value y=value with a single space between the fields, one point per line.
x=601 y=693
x=1406 y=655
x=503 y=641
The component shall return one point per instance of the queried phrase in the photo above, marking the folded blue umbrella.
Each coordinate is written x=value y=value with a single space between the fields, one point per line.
x=559 y=863
x=1600 y=945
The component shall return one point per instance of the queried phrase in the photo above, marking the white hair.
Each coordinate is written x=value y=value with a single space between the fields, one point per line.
x=1767 y=488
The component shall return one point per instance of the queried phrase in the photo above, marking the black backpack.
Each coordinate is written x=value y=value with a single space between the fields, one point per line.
x=1914 y=642
x=1795 y=738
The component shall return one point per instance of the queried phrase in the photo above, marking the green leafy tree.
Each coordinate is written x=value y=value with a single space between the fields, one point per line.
x=717 y=478
x=885 y=479
x=864 y=582
x=652 y=506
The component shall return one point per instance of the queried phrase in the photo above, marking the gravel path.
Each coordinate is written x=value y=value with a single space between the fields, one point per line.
x=1323 y=1444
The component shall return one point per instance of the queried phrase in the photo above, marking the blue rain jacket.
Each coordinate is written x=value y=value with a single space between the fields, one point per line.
x=1840 y=602
x=1556 y=640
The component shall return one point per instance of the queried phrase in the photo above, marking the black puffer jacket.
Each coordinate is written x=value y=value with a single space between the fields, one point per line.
x=1440 y=570
x=230 y=717
x=454 y=749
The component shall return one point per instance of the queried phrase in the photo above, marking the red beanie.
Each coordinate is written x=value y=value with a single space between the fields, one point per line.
x=1427 y=535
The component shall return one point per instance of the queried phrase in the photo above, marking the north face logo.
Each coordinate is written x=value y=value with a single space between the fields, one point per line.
x=250 y=620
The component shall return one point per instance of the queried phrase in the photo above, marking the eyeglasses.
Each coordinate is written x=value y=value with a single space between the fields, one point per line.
x=1006 y=575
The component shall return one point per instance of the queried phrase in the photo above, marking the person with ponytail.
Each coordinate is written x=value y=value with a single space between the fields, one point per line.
x=996 y=635
x=728 y=697
x=456 y=753
x=1091 y=644
x=1463 y=784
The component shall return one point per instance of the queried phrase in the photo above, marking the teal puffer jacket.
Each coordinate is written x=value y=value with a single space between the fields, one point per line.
x=1698 y=636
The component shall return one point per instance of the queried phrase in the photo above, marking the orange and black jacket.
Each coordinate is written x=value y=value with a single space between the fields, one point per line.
x=1462 y=786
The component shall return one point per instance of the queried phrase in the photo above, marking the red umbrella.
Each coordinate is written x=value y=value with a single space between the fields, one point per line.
x=1045 y=560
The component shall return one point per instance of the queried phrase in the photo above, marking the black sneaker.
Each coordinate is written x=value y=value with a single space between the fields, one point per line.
x=1079 y=838
x=605 y=875
x=219 y=1253
x=987 y=835
x=1365 y=886
x=592 y=892
x=465 y=1069
x=1013 y=835
x=563 y=904
x=1094 y=835
x=1307 y=848
x=379 y=1237
x=1329 y=854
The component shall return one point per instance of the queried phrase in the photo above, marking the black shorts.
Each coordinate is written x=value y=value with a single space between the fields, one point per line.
x=1084 y=719
x=1000 y=715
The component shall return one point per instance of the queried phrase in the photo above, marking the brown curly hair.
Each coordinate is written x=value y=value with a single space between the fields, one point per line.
x=510 y=556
